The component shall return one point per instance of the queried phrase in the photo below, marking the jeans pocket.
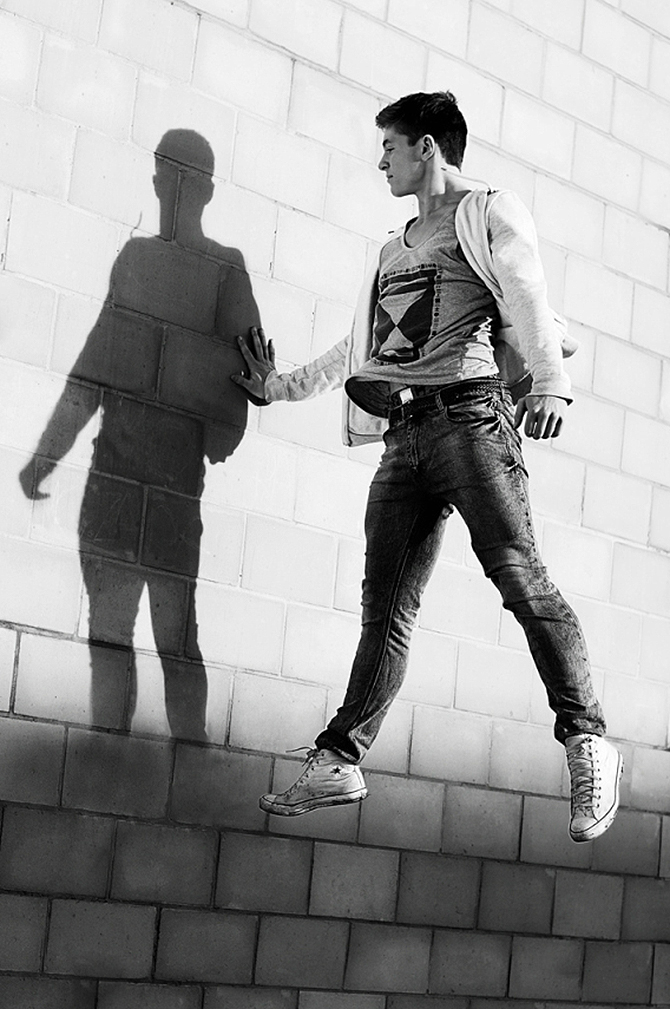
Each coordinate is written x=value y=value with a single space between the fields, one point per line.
x=472 y=411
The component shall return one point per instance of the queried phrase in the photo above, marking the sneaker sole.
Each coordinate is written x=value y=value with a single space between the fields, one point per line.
x=310 y=804
x=606 y=822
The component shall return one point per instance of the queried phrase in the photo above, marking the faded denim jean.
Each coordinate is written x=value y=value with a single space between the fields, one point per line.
x=465 y=456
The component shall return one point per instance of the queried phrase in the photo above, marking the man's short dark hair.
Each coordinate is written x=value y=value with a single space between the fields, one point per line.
x=436 y=114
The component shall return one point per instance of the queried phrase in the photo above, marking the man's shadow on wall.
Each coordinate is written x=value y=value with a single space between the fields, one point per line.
x=160 y=356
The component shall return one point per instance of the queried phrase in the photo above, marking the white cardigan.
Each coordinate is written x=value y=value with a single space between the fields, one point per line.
x=497 y=235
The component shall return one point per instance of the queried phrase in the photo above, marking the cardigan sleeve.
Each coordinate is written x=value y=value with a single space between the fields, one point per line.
x=320 y=375
x=518 y=268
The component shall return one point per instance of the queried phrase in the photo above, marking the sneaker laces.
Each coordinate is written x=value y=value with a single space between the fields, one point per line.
x=584 y=776
x=308 y=764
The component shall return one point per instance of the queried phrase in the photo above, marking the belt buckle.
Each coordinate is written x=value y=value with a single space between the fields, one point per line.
x=405 y=396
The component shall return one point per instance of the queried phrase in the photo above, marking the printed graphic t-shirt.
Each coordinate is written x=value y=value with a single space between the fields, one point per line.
x=433 y=321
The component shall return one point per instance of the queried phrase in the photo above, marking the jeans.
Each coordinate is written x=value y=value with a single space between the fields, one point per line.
x=466 y=456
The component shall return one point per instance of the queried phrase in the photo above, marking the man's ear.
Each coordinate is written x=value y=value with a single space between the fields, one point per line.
x=428 y=147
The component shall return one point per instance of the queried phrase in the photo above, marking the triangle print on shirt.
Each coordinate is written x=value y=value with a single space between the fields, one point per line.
x=405 y=312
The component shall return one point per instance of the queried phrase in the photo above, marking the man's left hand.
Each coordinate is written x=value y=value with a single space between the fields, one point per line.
x=544 y=415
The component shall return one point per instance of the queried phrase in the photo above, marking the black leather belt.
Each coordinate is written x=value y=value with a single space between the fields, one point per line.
x=416 y=399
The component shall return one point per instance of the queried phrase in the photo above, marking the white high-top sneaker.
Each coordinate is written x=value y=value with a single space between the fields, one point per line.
x=328 y=780
x=595 y=769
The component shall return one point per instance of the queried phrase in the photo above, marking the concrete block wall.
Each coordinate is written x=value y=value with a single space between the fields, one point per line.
x=181 y=569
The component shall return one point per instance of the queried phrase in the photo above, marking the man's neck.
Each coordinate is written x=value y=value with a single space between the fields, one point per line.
x=440 y=190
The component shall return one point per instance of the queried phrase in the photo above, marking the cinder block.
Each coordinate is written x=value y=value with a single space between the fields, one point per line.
x=22 y=924
x=215 y=788
x=655 y=192
x=379 y=58
x=100 y=939
x=438 y=890
x=221 y=544
x=8 y=642
x=352 y=882
x=153 y=35
x=636 y=709
x=349 y=575
x=55 y=605
x=289 y=561
x=86 y=245
x=659 y=81
x=335 y=266
x=206 y=946
x=617 y=972
x=402 y=813
x=426 y=1002
x=646 y=910
x=250 y=998
x=469 y=963
x=272 y=495
x=18 y=75
x=170 y=865
x=613 y=635
x=564 y=26
x=481 y=98
x=481 y=822
x=655 y=639
x=300 y=159
x=73 y=17
x=660 y=992
x=628 y=45
x=588 y=571
x=429 y=20
x=526 y=758
x=524 y=69
x=588 y=904
x=54 y=681
x=53 y=851
x=391 y=748
x=272 y=714
x=124 y=191
x=650 y=312
x=607 y=168
x=641 y=579
x=260 y=873
x=431 y=672
x=493 y=681
x=556 y=483
x=116 y=774
x=314 y=423
x=301 y=952
x=647 y=245
x=333 y=113
x=41 y=151
x=86 y=85
x=162 y=102
x=559 y=210
x=637 y=120
x=516 y=898
x=591 y=414
x=227 y=219
x=332 y=494
x=116 y=995
x=544 y=836
x=648 y=13
x=172 y=532
x=287 y=311
x=631 y=845
x=527 y=126
x=31 y=758
x=241 y=72
x=617 y=504
x=483 y=162
x=340 y=1000
x=609 y=313
x=644 y=449
x=388 y=958
x=358 y=200
x=47 y=993
x=234 y=11
x=545 y=968
x=334 y=823
x=26 y=318
x=320 y=645
x=461 y=602
x=300 y=28
x=450 y=745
